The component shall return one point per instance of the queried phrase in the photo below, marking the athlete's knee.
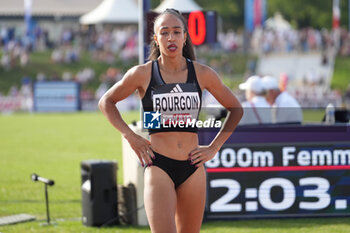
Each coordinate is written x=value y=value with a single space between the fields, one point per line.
x=188 y=228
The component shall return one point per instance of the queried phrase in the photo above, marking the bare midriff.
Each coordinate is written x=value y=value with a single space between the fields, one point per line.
x=175 y=145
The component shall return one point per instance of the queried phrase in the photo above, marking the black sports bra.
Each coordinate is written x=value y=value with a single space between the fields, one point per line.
x=172 y=106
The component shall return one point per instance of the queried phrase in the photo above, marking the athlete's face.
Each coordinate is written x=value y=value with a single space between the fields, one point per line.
x=170 y=35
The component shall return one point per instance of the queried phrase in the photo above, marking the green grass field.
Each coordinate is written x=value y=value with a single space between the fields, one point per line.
x=341 y=76
x=53 y=145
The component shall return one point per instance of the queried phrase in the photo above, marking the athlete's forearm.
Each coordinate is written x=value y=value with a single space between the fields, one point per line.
x=232 y=119
x=111 y=112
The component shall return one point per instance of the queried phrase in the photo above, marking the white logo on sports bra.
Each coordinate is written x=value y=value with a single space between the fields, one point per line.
x=177 y=88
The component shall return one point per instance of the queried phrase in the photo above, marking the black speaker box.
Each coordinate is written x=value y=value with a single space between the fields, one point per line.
x=99 y=193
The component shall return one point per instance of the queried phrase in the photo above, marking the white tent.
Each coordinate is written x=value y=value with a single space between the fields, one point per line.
x=181 y=5
x=278 y=23
x=112 y=11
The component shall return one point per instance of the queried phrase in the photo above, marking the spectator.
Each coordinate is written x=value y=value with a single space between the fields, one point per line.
x=13 y=92
x=5 y=61
x=67 y=76
x=24 y=58
x=40 y=77
x=26 y=93
x=57 y=55
x=285 y=109
x=256 y=108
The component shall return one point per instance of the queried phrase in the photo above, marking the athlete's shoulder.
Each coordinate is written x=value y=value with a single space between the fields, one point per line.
x=143 y=70
x=203 y=70
x=206 y=76
x=139 y=74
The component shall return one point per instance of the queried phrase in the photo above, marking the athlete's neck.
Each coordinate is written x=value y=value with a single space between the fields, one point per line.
x=172 y=65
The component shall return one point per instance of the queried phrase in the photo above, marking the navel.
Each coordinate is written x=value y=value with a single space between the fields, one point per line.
x=179 y=145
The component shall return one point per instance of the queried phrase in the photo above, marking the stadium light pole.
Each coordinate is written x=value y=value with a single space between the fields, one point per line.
x=144 y=6
x=141 y=52
x=28 y=15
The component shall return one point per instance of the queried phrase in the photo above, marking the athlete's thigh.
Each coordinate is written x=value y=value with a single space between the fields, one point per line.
x=160 y=200
x=190 y=202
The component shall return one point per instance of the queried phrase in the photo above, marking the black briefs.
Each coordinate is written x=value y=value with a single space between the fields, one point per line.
x=178 y=170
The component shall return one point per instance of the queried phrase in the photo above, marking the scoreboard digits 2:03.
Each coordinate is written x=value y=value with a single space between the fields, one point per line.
x=279 y=181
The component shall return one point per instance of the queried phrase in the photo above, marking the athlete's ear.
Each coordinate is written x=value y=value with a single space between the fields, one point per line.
x=155 y=40
x=185 y=37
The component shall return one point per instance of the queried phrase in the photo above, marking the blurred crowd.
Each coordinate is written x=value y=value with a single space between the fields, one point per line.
x=108 y=44
x=104 y=45
x=286 y=41
x=305 y=40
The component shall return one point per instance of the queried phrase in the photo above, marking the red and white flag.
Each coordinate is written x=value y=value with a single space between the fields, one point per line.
x=336 y=14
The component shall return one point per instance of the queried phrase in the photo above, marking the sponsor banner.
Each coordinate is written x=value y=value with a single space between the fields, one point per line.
x=56 y=96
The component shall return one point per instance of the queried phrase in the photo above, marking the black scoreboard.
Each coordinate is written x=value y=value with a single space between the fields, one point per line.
x=280 y=175
x=202 y=26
